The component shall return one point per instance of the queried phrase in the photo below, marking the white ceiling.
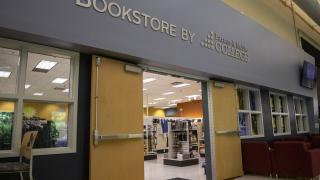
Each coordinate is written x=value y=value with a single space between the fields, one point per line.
x=40 y=82
x=162 y=84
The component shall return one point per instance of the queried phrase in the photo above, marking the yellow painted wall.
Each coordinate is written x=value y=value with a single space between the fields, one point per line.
x=6 y=106
x=274 y=16
x=44 y=110
x=154 y=112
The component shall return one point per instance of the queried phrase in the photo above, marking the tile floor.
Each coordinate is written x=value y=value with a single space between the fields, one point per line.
x=156 y=170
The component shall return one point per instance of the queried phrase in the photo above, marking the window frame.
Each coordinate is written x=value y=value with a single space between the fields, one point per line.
x=301 y=114
x=250 y=112
x=20 y=97
x=281 y=114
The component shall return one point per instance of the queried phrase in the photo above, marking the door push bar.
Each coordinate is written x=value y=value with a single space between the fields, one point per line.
x=225 y=132
x=98 y=138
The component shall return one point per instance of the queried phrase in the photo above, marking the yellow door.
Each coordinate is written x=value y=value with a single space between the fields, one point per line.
x=228 y=159
x=120 y=105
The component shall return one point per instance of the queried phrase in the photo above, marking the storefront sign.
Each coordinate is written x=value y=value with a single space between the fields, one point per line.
x=212 y=41
x=138 y=18
x=225 y=47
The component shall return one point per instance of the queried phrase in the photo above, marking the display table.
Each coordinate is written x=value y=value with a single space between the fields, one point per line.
x=181 y=163
x=150 y=156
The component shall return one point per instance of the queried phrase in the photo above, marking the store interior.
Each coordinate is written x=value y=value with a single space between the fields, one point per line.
x=174 y=144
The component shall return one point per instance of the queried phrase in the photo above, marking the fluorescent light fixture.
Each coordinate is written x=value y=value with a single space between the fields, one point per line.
x=66 y=90
x=144 y=89
x=165 y=107
x=152 y=103
x=46 y=65
x=159 y=99
x=176 y=100
x=4 y=74
x=193 y=96
x=148 y=80
x=181 y=85
x=26 y=86
x=59 y=80
x=38 y=94
x=172 y=105
x=168 y=93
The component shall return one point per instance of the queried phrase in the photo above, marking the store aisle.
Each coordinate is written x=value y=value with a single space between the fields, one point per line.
x=155 y=170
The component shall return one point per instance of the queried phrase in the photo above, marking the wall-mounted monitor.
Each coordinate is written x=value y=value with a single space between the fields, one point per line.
x=308 y=75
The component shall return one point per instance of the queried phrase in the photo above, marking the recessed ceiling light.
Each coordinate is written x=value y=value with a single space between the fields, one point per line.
x=59 y=80
x=176 y=100
x=66 y=90
x=159 y=99
x=148 y=80
x=168 y=93
x=45 y=65
x=181 y=85
x=4 y=74
x=26 y=86
x=38 y=94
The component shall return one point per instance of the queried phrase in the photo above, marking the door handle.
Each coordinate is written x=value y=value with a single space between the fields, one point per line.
x=226 y=132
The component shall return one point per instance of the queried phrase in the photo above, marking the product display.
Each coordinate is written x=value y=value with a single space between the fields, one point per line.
x=280 y=115
x=243 y=124
x=150 y=138
x=183 y=137
x=250 y=115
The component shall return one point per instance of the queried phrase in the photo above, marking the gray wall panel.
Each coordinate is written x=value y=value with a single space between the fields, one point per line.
x=273 y=62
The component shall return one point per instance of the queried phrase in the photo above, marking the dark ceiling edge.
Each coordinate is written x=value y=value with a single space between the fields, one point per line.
x=311 y=7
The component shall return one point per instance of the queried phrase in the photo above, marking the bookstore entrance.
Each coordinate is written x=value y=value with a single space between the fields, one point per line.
x=160 y=125
x=174 y=132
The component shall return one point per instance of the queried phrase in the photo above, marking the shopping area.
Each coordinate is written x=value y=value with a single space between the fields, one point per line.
x=174 y=144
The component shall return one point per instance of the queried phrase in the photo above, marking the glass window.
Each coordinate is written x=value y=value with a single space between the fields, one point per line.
x=301 y=115
x=48 y=75
x=50 y=120
x=46 y=78
x=6 y=124
x=249 y=112
x=279 y=113
x=9 y=64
